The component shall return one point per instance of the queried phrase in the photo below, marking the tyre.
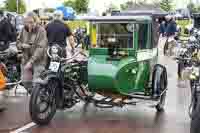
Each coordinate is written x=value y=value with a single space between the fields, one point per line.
x=42 y=106
x=161 y=104
x=161 y=84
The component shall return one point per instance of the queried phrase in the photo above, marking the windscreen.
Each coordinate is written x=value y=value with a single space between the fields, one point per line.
x=119 y=34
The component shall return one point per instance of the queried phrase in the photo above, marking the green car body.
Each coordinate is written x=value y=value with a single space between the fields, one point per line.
x=128 y=74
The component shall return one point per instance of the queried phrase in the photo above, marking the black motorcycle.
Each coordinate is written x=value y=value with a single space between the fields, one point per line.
x=194 y=109
x=59 y=86
x=187 y=51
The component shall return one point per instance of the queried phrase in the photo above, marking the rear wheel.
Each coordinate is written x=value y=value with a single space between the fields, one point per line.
x=42 y=105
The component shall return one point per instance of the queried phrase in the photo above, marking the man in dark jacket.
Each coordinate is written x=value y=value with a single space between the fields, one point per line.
x=59 y=33
x=5 y=32
x=171 y=28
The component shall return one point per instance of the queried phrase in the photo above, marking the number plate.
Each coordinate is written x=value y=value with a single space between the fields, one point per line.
x=54 y=66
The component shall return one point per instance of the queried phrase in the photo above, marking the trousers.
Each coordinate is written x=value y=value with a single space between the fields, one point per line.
x=31 y=76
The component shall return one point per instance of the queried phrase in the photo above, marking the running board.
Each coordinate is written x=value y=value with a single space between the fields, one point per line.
x=143 y=97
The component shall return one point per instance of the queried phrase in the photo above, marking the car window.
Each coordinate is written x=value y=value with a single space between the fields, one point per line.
x=116 y=33
x=142 y=36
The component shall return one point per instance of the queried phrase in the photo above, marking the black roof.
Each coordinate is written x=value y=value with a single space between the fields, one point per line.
x=140 y=12
x=116 y=18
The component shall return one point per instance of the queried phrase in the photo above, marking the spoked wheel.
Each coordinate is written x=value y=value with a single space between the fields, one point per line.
x=42 y=105
x=163 y=86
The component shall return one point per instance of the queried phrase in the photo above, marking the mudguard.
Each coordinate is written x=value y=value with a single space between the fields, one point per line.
x=46 y=76
x=156 y=79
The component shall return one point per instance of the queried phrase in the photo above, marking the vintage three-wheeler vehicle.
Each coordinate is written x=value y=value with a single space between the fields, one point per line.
x=122 y=66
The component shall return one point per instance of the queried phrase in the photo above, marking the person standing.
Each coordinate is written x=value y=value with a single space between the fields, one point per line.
x=58 y=33
x=33 y=44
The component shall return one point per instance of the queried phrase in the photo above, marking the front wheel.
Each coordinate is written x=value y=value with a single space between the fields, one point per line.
x=42 y=104
x=161 y=104
x=160 y=84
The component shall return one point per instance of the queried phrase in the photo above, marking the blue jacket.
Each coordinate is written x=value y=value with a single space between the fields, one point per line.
x=162 y=28
x=171 y=28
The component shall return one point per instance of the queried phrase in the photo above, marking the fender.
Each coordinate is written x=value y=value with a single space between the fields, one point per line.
x=157 y=71
x=46 y=76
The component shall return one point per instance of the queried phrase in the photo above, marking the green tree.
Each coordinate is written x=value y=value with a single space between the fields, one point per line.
x=127 y=5
x=11 y=5
x=70 y=3
x=166 y=5
x=139 y=4
x=111 y=8
x=80 y=6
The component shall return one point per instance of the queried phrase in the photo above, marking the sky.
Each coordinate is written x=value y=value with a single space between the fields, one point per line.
x=95 y=4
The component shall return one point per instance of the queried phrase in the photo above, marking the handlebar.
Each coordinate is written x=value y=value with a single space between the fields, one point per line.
x=66 y=59
x=188 y=59
x=177 y=58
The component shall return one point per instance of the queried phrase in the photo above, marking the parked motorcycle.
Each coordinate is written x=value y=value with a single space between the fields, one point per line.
x=187 y=50
x=9 y=74
x=57 y=89
x=194 y=109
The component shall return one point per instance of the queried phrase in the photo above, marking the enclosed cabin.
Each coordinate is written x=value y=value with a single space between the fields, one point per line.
x=156 y=16
x=121 y=50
